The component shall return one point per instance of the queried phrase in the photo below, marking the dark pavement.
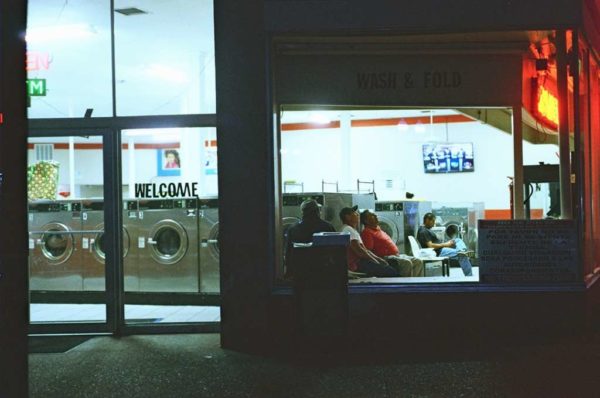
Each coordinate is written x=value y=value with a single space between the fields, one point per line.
x=195 y=366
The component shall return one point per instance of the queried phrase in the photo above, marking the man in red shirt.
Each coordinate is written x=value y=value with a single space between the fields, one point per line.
x=376 y=240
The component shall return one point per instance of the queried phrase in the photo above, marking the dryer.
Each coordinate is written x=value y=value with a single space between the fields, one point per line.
x=464 y=216
x=93 y=246
x=331 y=202
x=208 y=217
x=391 y=221
x=169 y=260
x=54 y=246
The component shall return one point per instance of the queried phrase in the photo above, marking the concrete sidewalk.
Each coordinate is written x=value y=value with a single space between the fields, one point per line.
x=195 y=366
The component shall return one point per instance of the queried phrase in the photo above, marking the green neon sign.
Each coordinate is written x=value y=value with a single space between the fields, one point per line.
x=36 y=87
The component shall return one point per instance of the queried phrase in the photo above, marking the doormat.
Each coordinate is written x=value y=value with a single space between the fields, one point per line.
x=54 y=344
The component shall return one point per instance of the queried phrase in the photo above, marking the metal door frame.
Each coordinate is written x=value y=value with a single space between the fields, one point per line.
x=111 y=273
x=110 y=129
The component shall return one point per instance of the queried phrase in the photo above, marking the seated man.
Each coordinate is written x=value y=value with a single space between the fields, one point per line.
x=361 y=259
x=428 y=239
x=376 y=240
x=303 y=231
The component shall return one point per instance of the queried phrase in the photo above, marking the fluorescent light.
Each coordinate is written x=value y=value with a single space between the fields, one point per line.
x=402 y=125
x=319 y=118
x=59 y=32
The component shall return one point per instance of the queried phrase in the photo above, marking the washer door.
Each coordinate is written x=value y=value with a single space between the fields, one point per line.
x=168 y=242
x=57 y=244
x=389 y=227
x=98 y=245
x=456 y=225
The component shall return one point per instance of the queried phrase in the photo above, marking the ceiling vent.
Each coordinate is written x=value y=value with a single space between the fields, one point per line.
x=130 y=11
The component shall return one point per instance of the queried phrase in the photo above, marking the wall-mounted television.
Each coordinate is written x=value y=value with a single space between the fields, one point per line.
x=445 y=157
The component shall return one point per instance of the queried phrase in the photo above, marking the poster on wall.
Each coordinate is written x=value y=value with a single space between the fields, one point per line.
x=168 y=162
x=210 y=156
x=528 y=251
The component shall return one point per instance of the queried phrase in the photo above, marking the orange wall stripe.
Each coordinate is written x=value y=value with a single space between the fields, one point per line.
x=504 y=214
x=309 y=126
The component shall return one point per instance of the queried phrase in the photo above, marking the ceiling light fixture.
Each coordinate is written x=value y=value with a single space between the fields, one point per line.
x=402 y=125
x=319 y=118
x=129 y=11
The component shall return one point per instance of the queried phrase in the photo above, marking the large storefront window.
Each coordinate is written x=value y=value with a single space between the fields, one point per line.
x=162 y=64
x=68 y=58
x=590 y=84
x=403 y=163
x=164 y=57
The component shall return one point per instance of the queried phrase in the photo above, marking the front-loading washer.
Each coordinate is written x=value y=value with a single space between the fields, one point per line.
x=55 y=262
x=93 y=246
x=169 y=260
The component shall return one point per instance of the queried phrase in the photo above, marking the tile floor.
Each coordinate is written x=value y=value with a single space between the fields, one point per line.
x=456 y=275
x=42 y=313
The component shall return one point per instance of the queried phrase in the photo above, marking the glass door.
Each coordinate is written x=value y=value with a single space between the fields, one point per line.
x=171 y=215
x=66 y=212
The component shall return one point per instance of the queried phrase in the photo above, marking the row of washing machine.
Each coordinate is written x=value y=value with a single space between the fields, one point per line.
x=398 y=218
x=169 y=245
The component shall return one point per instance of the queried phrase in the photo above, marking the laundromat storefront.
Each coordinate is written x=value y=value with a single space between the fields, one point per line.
x=516 y=254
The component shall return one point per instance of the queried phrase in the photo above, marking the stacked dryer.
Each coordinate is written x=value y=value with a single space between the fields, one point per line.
x=54 y=252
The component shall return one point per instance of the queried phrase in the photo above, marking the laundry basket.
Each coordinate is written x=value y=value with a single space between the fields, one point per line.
x=42 y=180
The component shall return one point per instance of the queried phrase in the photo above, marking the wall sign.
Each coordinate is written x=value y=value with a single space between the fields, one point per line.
x=36 y=87
x=409 y=79
x=167 y=190
x=35 y=60
x=545 y=103
x=528 y=251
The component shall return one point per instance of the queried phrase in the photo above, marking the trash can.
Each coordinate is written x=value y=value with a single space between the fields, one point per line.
x=321 y=295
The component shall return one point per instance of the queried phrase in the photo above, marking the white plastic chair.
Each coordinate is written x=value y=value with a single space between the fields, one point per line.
x=417 y=252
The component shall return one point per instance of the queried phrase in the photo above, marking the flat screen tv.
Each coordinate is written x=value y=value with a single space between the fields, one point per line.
x=445 y=157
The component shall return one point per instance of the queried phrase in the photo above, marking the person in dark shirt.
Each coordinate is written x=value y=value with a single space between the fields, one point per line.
x=428 y=239
x=303 y=231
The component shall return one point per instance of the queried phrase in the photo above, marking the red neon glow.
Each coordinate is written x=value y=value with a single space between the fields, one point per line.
x=1 y=117
x=37 y=61
x=546 y=106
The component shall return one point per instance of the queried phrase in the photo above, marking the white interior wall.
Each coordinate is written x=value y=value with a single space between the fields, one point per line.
x=88 y=167
x=387 y=154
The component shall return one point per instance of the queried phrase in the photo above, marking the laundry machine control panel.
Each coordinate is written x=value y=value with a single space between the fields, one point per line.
x=389 y=206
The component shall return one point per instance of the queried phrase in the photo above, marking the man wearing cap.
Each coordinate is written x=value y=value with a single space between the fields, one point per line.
x=303 y=231
x=361 y=259
x=375 y=239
